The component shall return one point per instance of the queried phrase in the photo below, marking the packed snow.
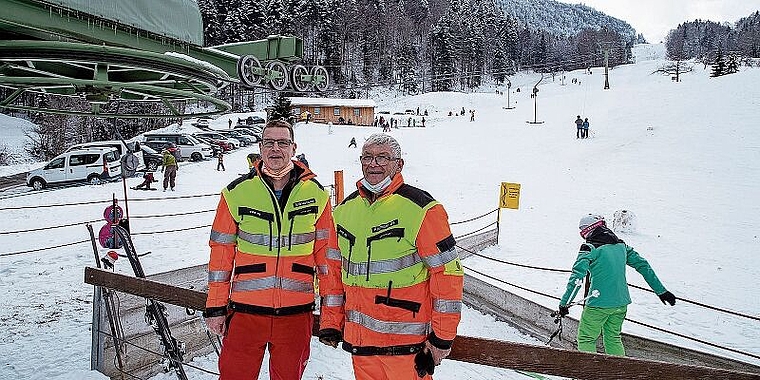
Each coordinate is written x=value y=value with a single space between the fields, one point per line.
x=683 y=157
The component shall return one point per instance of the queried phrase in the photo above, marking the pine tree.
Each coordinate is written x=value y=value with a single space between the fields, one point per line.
x=719 y=67
x=732 y=64
x=281 y=109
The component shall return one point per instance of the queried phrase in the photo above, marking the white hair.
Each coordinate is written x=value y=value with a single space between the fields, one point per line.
x=382 y=139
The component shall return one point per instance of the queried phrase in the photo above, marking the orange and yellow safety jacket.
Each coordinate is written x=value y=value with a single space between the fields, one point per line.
x=395 y=279
x=264 y=250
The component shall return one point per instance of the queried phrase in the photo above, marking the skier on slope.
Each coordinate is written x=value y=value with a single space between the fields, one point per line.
x=604 y=256
x=578 y=127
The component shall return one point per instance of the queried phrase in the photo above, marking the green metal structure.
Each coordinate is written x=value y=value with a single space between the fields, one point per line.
x=132 y=51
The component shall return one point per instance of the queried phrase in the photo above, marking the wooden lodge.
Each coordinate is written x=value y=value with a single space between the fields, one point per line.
x=337 y=111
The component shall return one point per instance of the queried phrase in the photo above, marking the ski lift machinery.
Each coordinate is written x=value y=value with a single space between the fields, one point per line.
x=111 y=54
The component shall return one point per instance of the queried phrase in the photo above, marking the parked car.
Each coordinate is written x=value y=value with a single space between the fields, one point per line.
x=201 y=122
x=189 y=146
x=251 y=121
x=153 y=160
x=93 y=165
x=217 y=145
x=218 y=136
x=252 y=132
x=238 y=135
x=120 y=146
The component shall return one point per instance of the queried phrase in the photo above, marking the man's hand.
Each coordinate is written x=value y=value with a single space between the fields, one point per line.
x=563 y=310
x=217 y=325
x=330 y=337
x=667 y=297
x=438 y=353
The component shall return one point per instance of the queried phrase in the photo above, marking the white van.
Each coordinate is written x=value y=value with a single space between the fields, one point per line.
x=189 y=146
x=93 y=165
x=122 y=149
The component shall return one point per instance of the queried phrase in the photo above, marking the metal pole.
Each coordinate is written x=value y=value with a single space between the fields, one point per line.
x=498 y=224
x=606 y=69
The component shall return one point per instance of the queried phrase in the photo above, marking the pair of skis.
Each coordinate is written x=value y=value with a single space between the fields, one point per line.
x=155 y=312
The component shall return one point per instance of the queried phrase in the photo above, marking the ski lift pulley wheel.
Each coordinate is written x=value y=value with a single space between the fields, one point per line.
x=320 y=78
x=300 y=78
x=250 y=71
x=278 y=75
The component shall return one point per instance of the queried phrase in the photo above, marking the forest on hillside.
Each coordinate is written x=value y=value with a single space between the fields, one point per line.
x=421 y=45
x=705 y=40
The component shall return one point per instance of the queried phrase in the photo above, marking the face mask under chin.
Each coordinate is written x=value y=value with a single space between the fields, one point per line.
x=379 y=187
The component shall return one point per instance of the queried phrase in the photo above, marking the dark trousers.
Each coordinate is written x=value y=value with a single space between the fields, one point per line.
x=220 y=164
x=170 y=175
x=579 y=133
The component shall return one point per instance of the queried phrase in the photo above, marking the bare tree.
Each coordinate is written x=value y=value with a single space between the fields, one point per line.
x=674 y=69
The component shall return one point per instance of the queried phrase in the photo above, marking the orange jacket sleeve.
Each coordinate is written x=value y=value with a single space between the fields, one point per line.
x=223 y=243
x=436 y=247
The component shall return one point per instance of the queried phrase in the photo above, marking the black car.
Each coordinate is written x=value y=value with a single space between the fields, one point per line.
x=153 y=160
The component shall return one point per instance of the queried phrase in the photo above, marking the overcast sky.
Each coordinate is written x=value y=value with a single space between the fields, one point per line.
x=654 y=18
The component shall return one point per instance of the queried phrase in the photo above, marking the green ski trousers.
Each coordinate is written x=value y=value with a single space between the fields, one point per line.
x=607 y=321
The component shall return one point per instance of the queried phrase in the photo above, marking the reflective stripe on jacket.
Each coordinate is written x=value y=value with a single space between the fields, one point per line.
x=400 y=275
x=264 y=251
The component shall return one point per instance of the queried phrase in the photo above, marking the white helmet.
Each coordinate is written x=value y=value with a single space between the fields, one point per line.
x=589 y=223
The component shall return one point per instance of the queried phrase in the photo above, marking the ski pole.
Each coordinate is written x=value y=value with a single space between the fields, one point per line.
x=558 y=317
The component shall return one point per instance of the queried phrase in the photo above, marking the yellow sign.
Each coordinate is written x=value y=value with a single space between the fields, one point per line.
x=509 y=196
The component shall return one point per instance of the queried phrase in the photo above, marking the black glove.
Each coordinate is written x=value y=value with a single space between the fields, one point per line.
x=563 y=310
x=424 y=363
x=667 y=297
x=330 y=337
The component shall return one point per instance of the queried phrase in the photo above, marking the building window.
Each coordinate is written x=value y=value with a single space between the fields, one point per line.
x=357 y=111
x=296 y=110
x=336 y=111
x=317 y=110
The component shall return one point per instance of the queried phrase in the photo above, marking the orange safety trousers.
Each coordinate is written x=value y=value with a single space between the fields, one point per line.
x=248 y=335
x=386 y=367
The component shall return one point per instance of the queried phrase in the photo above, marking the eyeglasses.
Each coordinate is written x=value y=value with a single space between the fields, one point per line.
x=379 y=160
x=269 y=143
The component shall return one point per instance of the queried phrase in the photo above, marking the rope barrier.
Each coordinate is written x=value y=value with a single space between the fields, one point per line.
x=42 y=249
x=476 y=231
x=173 y=198
x=106 y=201
x=735 y=313
x=54 y=205
x=516 y=264
x=631 y=320
x=715 y=308
x=167 y=215
x=475 y=218
x=48 y=228
x=510 y=284
x=167 y=231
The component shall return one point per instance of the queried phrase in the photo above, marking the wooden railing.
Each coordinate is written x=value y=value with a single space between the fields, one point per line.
x=501 y=354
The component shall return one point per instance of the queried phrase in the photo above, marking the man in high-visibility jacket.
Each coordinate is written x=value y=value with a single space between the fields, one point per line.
x=394 y=288
x=271 y=230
